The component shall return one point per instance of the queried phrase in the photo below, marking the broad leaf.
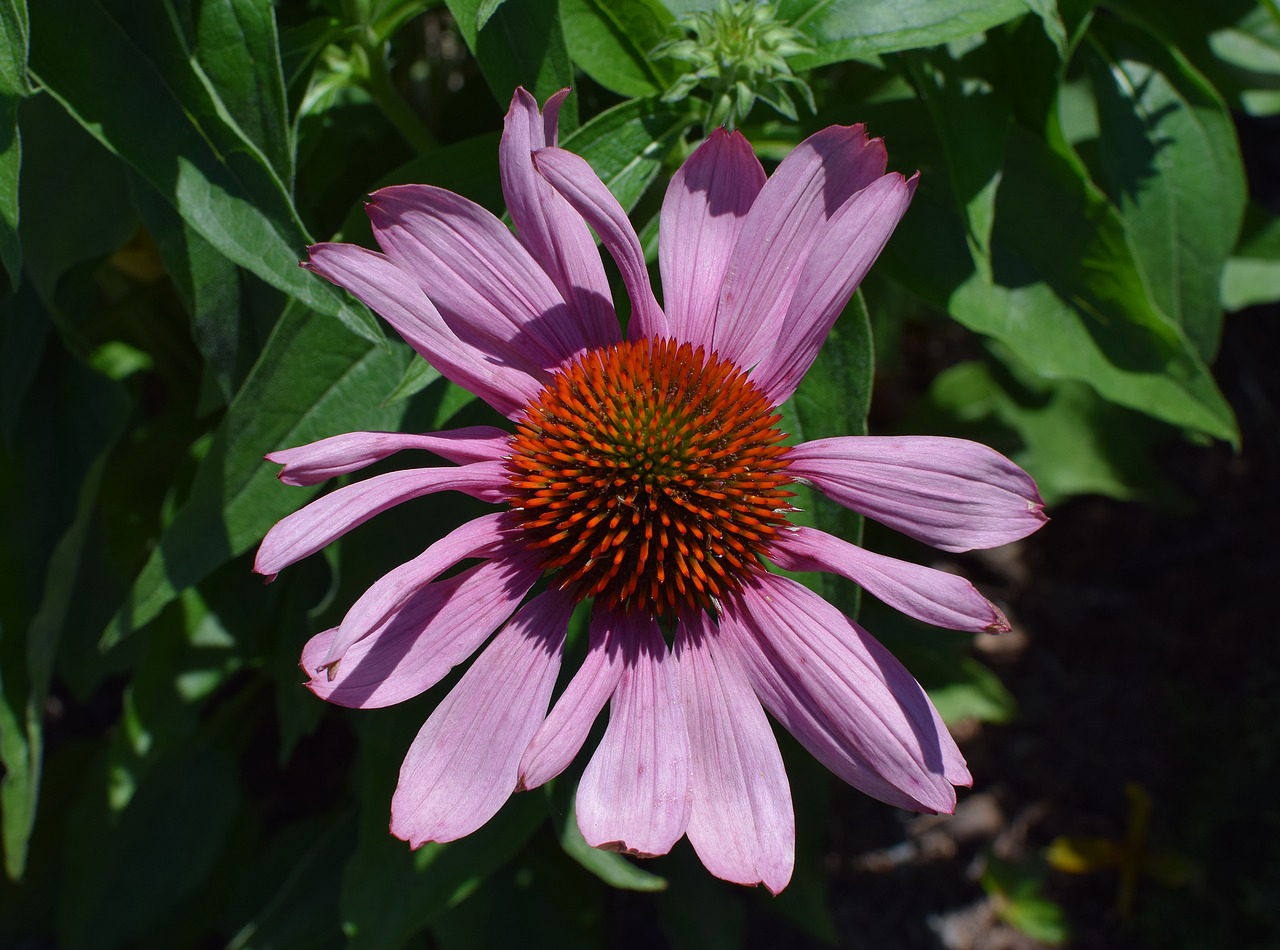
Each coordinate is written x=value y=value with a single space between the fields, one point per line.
x=313 y=380
x=13 y=86
x=520 y=44
x=610 y=40
x=861 y=29
x=1172 y=168
x=160 y=114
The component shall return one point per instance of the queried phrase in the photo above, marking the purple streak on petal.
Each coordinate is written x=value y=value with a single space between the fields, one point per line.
x=780 y=232
x=935 y=597
x=573 y=178
x=319 y=461
x=561 y=736
x=462 y=766
x=415 y=646
x=547 y=226
x=329 y=517
x=848 y=246
x=954 y=494
x=488 y=288
x=842 y=694
x=634 y=795
x=741 y=822
x=706 y=204
x=480 y=537
x=397 y=298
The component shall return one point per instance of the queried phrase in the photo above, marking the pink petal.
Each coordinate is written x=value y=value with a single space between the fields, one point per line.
x=741 y=822
x=573 y=178
x=547 y=226
x=398 y=299
x=331 y=516
x=843 y=695
x=935 y=597
x=339 y=454
x=784 y=224
x=487 y=287
x=634 y=795
x=845 y=251
x=561 y=736
x=480 y=537
x=416 y=645
x=951 y=493
x=706 y=204
x=462 y=766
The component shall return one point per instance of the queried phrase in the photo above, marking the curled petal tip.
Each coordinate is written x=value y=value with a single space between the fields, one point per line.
x=1001 y=623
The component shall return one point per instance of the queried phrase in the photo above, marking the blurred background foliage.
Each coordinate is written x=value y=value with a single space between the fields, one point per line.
x=1082 y=224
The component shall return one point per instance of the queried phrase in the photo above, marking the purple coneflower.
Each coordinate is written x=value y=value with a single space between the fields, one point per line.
x=647 y=473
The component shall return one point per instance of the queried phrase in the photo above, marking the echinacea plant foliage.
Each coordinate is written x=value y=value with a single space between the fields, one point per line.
x=569 y=400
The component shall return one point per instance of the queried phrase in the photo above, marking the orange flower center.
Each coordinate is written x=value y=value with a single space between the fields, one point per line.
x=650 y=476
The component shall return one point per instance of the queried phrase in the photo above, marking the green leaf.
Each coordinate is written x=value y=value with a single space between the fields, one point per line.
x=833 y=400
x=611 y=42
x=973 y=124
x=520 y=44
x=13 y=86
x=1054 y=28
x=239 y=51
x=1172 y=168
x=161 y=115
x=72 y=177
x=1252 y=275
x=1068 y=299
x=1069 y=439
x=861 y=29
x=313 y=380
x=487 y=9
x=626 y=145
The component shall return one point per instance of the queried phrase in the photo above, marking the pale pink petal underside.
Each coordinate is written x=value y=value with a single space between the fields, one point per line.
x=488 y=288
x=331 y=516
x=351 y=451
x=480 y=537
x=785 y=222
x=843 y=695
x=572 y=177
x=416 y=645
x=560 y=738
x=954 y=494
x=462 y=766
x=936 y=597
x=844 y=252
x=705 y=206
x=634 y=795
x=741 y=822
x=553 y=232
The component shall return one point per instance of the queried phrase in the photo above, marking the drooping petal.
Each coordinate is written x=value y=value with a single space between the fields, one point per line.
x=329 y=517
x=954 y=494
x=843 y=695
x=547 y=226
x=480 y=537
x=705 y=206
x=741 y=821
x=844 y=252
x=488 y=288
x=784 y=224
x=397 y=298
x=462 y=766
x=936 y=597
x=319 y=461
x=561 y=736
x=573 y=178
x=634 y=795
x=416 y=645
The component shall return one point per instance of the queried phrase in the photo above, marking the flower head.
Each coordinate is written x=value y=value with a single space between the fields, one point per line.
x=648 y=474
